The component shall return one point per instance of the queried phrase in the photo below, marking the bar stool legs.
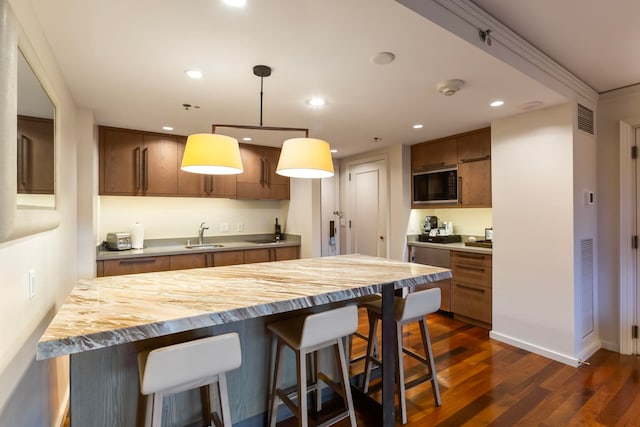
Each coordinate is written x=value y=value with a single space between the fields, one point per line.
x=411 y=309
x=305 y=335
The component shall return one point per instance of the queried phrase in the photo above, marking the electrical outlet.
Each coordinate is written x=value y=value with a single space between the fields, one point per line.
x=224 y=227
x=240 y=227
x=32 y=284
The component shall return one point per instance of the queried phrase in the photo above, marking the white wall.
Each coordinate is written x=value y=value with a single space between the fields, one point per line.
x=466 y=221
x=25 y=384
x=168 y=217
x=533 y=257
x=305 y=215
x=623 y=104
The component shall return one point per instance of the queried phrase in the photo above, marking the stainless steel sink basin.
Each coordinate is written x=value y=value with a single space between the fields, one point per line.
x=262 y=241
x=204 y=246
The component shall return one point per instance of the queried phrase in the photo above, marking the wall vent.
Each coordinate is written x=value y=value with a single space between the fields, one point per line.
x=586 y=287
x=585 y=119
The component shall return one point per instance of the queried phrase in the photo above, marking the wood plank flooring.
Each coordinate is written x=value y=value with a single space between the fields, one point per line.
x=487 y=383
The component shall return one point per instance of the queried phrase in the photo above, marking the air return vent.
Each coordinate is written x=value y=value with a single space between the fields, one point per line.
x=586 y=287
x=585 y=119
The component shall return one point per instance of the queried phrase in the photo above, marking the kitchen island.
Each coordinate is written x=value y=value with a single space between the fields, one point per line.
x=106 y=321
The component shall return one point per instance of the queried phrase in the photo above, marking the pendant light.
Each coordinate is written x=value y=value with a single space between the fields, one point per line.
x=212 y=154
x=300 y=157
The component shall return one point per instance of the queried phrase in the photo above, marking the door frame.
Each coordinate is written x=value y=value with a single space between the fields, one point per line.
x=627 y=267
x=349 y=167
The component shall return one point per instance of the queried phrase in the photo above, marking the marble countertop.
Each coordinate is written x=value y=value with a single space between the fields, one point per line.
x=114 y=310
x=412 y=240
x=177 y=246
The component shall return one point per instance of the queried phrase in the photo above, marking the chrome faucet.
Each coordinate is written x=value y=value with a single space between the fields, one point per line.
x=201 y=233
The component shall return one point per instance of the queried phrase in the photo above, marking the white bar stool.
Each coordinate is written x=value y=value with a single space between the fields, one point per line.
x=305 y=335
x=180 y=367
x=413 y=308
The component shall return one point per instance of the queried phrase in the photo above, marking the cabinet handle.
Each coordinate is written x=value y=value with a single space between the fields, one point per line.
x=138 y=261
x=469 y=255
x=24 y=159
x=210 y=184
x=145 y=163
x=137 y=167
x=471 y=288
x=267 y=172
x=262 y=167
x=459 y=190
x=470 y=267
x=475 y=159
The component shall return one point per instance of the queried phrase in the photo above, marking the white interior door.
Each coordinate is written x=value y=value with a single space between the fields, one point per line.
x=368 y=208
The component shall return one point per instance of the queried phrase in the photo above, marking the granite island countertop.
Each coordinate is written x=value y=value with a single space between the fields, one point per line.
x=178 y=246
x=114 y=310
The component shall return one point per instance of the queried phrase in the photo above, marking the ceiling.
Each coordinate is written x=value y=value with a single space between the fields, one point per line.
x=125 y=61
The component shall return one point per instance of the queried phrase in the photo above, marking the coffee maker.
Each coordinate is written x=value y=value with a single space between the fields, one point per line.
x=430 y=223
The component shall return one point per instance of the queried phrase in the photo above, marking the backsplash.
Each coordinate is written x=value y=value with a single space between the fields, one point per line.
x=169 y=217
x=466 y=221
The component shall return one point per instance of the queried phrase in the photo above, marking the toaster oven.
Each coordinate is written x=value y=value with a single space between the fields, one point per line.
x=118 y=241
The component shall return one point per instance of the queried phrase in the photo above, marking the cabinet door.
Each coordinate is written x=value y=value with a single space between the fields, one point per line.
x=285 y=253
x=257 y=255
x=436 y=258
x=474 y=184
x=183 y=262
x=228 y=258
x=136 y=265
x=471 y=301
x=159 y=172
x=198 y=185
x=35 y=155
x=120 y=162
x=259 y=180
x=475 y=146
x=430 y=155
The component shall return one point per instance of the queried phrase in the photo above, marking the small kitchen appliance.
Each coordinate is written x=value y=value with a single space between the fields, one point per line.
x=118 y=241
x=430 y=223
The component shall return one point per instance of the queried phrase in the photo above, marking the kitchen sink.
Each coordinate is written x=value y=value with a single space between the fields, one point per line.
x=203 y=246
x=262 y=241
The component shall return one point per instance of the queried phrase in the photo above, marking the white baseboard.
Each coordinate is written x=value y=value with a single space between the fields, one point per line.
x=550 y=354
x=62 y=410
x=611 y=346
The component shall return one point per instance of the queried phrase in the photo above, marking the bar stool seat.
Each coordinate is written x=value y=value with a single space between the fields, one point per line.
x=305 y=335
x=185 y=366
x=413 y=308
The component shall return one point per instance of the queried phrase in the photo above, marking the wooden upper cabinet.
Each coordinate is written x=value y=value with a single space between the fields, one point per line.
x=434 y=154
x=475 y=146
x=137 y=163
x=474 y=189
x=35 y=153
x=198 y=185
x=259 y=179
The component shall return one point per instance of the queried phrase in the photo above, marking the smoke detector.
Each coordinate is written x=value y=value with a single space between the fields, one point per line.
x=450 y=87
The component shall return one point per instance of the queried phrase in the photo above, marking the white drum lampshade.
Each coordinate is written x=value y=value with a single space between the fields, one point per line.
x=305 y=158
x=212 y=154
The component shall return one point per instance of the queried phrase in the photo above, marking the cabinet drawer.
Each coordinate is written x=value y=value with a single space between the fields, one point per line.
x=471 y=301
x=136 y=265
x=470 y=258
x=474 y=274
x=183 y=262
x=228 y=258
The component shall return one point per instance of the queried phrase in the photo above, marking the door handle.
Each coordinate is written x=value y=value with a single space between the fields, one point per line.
x=145 y=175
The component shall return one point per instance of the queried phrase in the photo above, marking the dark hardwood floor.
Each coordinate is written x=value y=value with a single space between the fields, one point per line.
x=487 y=383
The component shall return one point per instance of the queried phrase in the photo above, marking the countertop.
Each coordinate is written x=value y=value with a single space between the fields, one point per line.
x=458 y=246
x=177 y=246
x=109 y=311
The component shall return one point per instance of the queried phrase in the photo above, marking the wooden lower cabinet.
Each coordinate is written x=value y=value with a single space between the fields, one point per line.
x=196 y=260
x=437 y=258
x=117 y=267
x=471 y=287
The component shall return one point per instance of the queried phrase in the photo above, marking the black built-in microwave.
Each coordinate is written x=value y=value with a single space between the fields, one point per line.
x=436 y=187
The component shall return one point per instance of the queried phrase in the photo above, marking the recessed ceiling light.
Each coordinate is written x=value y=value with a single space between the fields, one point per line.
x=194 y=74
x=497 y=103
x=167 y=128
x=333 y=150
x=418 y=126
x=246 y=138
x=235 y=3
x=317 y=102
